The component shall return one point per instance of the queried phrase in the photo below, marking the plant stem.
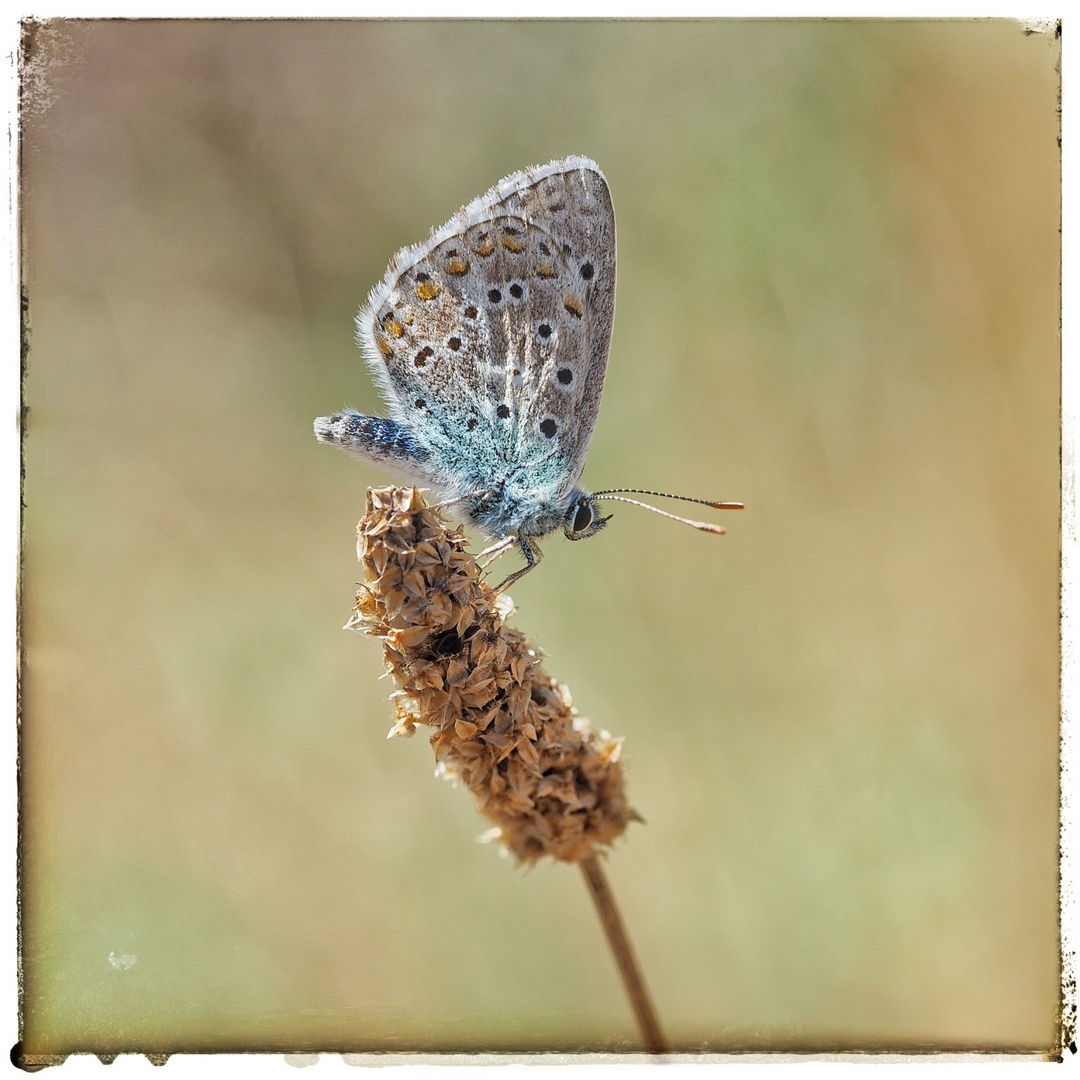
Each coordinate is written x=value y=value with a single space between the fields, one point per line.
x=624 y=955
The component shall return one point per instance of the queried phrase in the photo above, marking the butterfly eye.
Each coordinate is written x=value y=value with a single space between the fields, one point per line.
x=583 y=518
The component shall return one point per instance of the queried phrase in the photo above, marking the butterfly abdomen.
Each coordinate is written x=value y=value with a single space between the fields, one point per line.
x=374 y=437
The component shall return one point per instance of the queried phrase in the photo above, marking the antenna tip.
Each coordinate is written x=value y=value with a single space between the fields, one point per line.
x=727 y=506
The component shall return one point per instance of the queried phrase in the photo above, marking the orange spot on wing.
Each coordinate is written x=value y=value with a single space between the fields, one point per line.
x=384 y=346
x=486 y=245
x=392 y=326
x=427 y=290
x=573 y=305
x=513 y=245
x=457 y=266
x=546 y=270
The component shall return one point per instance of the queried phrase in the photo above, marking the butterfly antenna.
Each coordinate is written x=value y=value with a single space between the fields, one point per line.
x=704 y=526
x=667 y=495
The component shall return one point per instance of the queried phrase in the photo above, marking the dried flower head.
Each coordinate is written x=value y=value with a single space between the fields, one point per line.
x=502 y=727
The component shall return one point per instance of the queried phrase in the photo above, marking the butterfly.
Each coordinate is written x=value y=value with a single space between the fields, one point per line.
x=489 y=343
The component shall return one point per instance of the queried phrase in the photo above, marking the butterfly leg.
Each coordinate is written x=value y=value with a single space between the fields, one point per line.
x=496 y=551
x=531 y=550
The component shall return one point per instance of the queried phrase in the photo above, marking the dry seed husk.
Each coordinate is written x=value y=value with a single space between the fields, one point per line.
x=500 y=725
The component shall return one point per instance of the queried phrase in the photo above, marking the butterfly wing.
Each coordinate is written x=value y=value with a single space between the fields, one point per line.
x=490 y=340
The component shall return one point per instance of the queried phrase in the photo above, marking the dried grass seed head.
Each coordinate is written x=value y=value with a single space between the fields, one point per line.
x=501 y=725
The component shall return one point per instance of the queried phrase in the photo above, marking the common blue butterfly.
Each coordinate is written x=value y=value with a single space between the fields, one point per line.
x=489 y=342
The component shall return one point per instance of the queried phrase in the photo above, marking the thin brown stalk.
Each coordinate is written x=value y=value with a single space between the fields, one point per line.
x=548 y=782
x=633 y=981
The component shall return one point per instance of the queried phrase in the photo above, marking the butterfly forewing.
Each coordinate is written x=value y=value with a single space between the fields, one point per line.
x=491 y=339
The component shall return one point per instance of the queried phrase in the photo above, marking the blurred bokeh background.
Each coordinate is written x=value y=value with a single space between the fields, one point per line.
x=838 y=302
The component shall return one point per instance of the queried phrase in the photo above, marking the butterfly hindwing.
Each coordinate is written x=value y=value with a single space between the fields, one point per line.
x=490 y=340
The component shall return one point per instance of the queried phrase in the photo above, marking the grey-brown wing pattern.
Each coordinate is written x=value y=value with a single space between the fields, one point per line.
x=493 y=335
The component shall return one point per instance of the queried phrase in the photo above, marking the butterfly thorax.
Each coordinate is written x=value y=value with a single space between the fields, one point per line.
x=509 y=509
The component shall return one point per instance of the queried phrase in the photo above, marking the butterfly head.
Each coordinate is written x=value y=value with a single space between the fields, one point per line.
x=582 y=517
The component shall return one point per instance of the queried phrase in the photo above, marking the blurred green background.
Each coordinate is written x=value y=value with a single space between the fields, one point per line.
x=838 y=301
